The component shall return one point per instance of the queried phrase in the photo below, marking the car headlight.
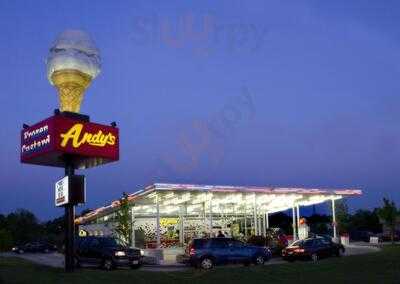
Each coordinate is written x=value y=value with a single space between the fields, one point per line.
x=142 y=252
x=120 y=253
x=14 y=249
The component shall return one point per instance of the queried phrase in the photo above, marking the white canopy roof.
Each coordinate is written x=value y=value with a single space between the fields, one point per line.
x=219 y=199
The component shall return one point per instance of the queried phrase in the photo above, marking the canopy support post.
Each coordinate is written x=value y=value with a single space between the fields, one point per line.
x=265 y=224
x=294 y=223
x=211 y=218
x=298 y=220
x=334 y=220
x=158 y=222
x=181 y=225
x=133 y=241
x=245 y=220
x=255 y=215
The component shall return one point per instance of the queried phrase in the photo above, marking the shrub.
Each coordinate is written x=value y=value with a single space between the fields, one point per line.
x=6 y=241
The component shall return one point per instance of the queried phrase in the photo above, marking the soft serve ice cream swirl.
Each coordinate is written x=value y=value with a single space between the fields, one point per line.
x=74 y=50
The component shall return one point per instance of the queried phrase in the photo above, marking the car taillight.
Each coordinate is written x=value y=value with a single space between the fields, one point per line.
x=192 y=251
x=299 y=250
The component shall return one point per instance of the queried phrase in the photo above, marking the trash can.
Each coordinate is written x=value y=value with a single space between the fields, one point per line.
x=344 y=240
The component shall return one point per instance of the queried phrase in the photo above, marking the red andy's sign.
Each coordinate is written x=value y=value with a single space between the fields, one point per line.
x=89 y=144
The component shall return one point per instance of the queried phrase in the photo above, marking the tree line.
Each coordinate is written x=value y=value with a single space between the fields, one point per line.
x=23 y=226
x=369 y=220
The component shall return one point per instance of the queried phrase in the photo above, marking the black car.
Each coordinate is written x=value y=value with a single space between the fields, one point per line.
x=312 y=248
x=205 y=253
x=106 y=252
x=34 y=247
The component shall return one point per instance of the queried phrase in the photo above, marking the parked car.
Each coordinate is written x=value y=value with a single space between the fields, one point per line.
x=106 y=252
x=205 y=253
x=34 y=247
x=312 y=248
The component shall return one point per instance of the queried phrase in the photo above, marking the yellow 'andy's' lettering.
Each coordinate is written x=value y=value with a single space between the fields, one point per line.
x=78 y=138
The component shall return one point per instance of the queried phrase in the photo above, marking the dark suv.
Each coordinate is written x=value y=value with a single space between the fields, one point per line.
x=106 y=252
x=206 y=253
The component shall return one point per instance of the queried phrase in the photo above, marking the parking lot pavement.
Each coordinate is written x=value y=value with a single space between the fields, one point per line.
x=357 y=249
x=275 y=260
x=57 y=259
x=50 y=259
x=164 y=268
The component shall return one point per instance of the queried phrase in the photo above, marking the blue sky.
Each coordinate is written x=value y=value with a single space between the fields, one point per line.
x=300 y=93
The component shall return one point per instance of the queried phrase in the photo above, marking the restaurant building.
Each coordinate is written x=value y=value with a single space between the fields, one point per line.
x=169 y=215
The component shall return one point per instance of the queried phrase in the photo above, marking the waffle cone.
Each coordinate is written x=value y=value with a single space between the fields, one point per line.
x=71 y=85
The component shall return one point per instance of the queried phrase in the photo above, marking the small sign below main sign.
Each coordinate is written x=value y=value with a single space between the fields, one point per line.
x=70 y=190
x=62 y=191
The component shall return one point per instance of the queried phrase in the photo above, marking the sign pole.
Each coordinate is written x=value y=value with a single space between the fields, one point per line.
x=69 y=223
x=68 y=139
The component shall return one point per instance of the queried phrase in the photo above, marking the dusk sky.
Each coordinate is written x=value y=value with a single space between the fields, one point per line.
x=263 y=93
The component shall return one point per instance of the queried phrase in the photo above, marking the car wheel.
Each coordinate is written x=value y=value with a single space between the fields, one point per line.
x=314 y=257
x=108 y=264
x=259 y=260
x=206 y=263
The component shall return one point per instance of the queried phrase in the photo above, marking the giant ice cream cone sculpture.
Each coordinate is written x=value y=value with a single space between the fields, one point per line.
x=72 y=64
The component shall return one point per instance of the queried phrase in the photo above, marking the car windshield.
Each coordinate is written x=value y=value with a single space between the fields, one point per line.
x=297 y=243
